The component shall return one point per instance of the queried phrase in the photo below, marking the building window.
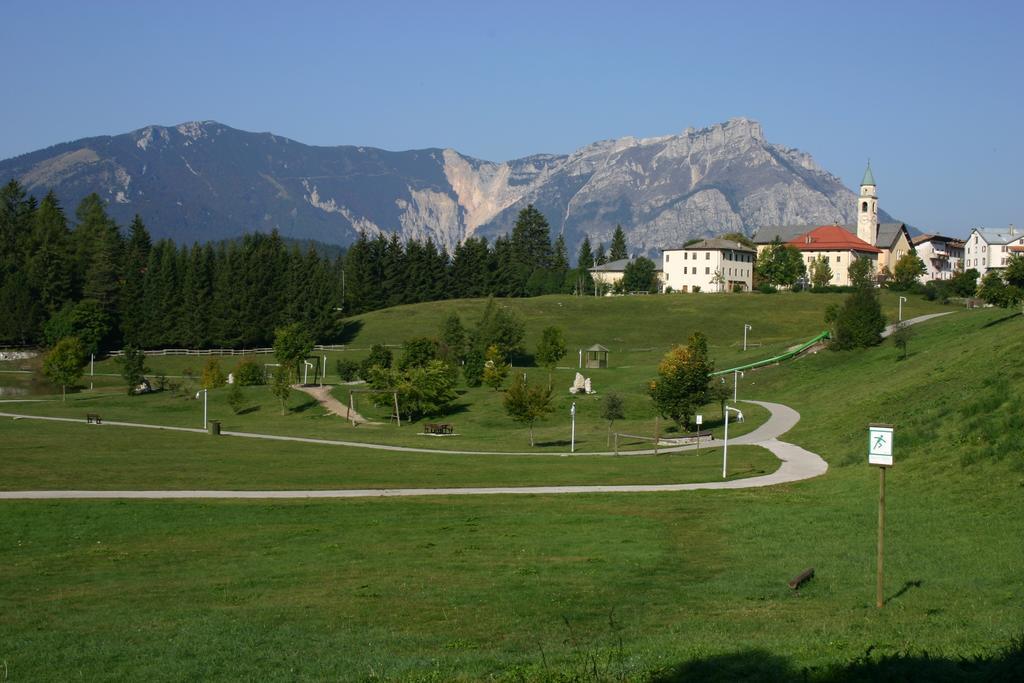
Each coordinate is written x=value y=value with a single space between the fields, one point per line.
x=863 y=207
x=837 y=259
x=707 y=271
x=666 y=258
x=707 y=255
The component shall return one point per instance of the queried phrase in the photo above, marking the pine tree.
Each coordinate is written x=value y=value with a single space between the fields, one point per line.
x=503 y=281
x=469 y=273
x=98 y=249
x=197 y=296
x=531 y=248
x=619 y=250
x=50 y=266
x=133 y=275
x=600 y=258
x=16 y=216
x=583 y=281
x=394 y=268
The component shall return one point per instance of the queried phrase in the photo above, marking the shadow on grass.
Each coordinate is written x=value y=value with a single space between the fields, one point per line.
x=304 y=406
x=761 y=665
x=907 y=586
x=251 y=409
x=349 y=331
x=560 y=442
x=456 y=408
x=999 y=321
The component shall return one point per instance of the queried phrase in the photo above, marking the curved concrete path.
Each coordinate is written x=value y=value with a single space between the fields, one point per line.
x=889 y=329
x=797 y=464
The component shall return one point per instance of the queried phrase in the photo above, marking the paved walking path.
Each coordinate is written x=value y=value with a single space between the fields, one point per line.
x=797 y=464
x=889 y=329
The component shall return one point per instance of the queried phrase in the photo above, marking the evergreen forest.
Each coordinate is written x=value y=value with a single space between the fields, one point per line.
x=85 y=276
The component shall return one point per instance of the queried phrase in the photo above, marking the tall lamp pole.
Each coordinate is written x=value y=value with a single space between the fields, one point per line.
x=204 y=392
x=572 y=442
x=902 y=299
x=725 y=448
x=736 y=374
x=745 y=328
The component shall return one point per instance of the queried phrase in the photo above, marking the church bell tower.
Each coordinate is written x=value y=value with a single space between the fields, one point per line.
x=867 y=208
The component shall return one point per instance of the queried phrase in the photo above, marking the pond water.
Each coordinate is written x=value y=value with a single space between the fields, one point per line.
x=24 y=385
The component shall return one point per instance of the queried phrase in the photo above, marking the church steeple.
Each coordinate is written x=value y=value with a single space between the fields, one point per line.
x=867 y=207
x=869 y=177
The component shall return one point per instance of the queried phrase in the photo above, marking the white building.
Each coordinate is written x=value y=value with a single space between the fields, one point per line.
x=987 y=248
x=607 y=275
x=892 y=239
x=713 y=265
x=943 y=257
x=837 y=247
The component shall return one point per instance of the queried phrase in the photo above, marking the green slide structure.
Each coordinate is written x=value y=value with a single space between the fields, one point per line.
x=776 y=359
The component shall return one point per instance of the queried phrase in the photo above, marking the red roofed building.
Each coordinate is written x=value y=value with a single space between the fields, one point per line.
x=836 y=246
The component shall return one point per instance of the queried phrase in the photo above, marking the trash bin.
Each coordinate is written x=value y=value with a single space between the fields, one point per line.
x=214 y=427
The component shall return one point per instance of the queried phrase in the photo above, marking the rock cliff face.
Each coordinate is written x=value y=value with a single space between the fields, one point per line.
x=201 y=181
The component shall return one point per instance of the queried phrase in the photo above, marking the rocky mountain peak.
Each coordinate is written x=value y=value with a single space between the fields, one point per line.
x=203 y=180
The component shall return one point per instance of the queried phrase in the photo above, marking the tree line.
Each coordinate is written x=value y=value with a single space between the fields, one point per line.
x=87 y=278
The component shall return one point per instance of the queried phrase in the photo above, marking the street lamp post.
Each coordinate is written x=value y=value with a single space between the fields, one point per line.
x=736 y=374
x=725 y=448
x=572 y=441
x=204 y=392
x=745 y=328
x=902 y=299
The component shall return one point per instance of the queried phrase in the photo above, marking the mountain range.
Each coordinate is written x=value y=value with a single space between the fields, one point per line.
x=202 y=181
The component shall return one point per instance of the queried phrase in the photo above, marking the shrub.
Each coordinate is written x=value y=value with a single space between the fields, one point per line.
x=418 y=352
x=766 y=288
x=248 y=373
x=347 y=369
x=213 y=376
x=696 y=289
x=235 y=398
x=473 y=369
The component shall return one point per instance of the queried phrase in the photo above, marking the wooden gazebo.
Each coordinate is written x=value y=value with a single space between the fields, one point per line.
x=595 y=357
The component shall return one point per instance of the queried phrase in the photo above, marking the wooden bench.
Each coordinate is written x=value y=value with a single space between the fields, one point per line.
x=93 y=418
x=801 y=578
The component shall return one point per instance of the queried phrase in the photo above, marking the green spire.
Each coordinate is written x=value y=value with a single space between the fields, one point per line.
x=869 y=177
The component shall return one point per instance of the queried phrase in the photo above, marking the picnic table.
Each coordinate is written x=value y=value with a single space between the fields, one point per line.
x=438 y=428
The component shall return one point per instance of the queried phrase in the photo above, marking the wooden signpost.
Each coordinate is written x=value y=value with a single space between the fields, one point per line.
x=880 y=438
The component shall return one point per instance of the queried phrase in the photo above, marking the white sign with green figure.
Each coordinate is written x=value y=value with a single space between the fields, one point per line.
x=880 y=445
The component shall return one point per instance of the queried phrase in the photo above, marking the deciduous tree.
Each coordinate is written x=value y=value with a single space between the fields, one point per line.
x=683 y=378
x=640 y=276
x=527 y=403
x=64 y=363
x=550 y=349
x=908 y=268
x=612 y=408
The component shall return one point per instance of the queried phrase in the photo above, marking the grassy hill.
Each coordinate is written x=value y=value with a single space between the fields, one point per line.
x=638 y=330
x=674 y=586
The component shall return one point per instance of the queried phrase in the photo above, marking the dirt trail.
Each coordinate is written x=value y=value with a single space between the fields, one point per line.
x=331 y=404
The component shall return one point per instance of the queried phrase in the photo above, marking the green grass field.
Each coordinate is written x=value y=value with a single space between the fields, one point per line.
x=684 y=586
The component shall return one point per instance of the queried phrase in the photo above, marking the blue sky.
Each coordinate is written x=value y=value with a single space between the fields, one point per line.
x=930 y=91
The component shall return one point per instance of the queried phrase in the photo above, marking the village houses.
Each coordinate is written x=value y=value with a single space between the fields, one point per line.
x=711 y=265
x=987 y=248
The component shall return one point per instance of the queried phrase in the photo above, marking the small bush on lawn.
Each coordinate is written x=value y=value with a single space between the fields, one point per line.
x=347 y=369
x=248 y=373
